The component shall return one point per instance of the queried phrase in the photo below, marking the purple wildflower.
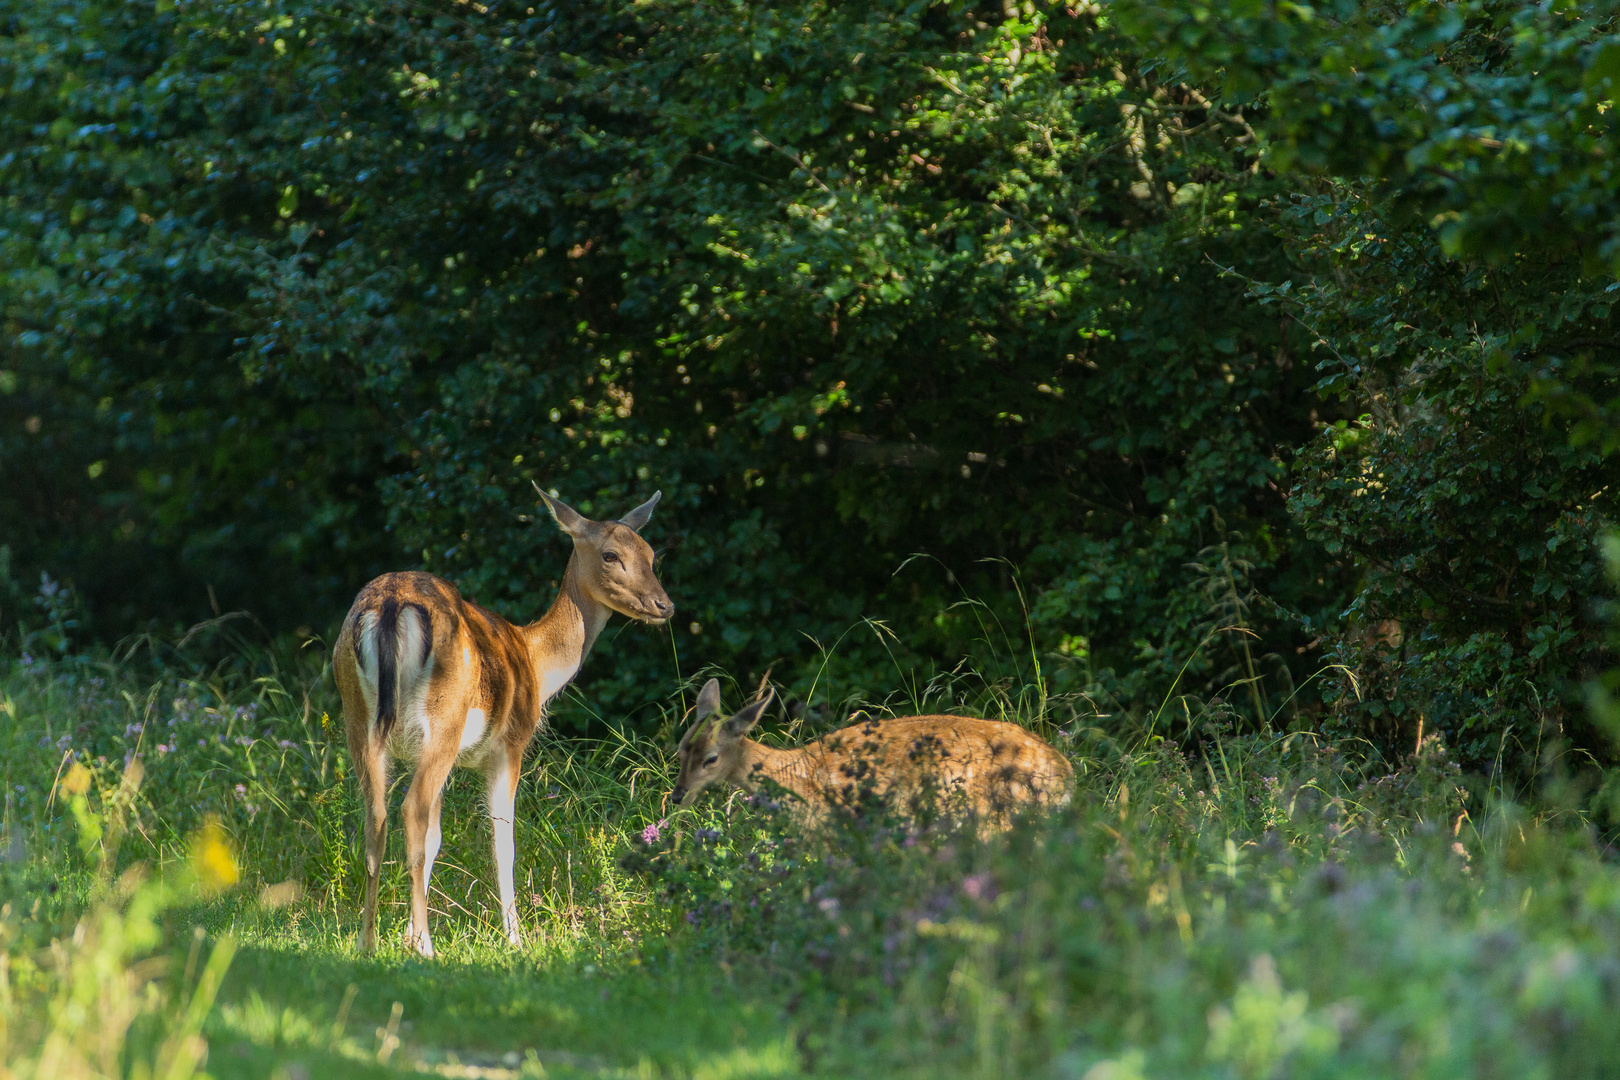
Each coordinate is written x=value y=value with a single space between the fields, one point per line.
x=652 y=832
x=980 y=886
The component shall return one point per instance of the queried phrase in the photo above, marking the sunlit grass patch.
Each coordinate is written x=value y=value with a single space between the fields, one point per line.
x=481 y=1004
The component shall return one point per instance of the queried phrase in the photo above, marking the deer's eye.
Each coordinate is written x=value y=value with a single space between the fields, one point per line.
x=610 y=557
x=711 y=759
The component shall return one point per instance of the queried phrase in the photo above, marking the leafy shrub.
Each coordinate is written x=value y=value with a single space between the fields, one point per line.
x=1463 y=510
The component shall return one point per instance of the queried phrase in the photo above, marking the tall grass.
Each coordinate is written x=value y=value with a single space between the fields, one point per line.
x=1213 y=903
x=1271 y=909
x=261 y=751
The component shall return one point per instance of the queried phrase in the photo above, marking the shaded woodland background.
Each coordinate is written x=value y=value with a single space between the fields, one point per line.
x=1257 y=352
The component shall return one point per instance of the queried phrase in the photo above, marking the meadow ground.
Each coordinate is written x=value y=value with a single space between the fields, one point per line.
x=1221 y=905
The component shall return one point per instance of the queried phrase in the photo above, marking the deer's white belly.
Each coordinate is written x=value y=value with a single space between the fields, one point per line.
x=472 y=748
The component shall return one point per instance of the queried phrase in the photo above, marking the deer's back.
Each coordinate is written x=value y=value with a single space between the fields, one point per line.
x=470 y=657
x=994 y=766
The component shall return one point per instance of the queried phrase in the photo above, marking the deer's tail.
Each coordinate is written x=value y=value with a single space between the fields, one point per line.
x=393 y=646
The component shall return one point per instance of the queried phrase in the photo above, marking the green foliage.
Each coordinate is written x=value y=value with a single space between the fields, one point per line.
x=1467 y=507
x=298 y=293
x=101 y=1011
x=1454 y=273
x=848 y=282
x=132 y=433
x=1490 y=120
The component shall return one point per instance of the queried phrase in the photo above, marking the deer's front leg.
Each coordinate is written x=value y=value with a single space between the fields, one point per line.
x=502 y=777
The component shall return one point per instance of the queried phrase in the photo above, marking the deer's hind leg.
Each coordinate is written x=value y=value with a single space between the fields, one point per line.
x=371 y=763
x=421 y=813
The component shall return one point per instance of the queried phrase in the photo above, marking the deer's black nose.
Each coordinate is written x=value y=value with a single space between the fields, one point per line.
x=677 y=796
x=665 y=608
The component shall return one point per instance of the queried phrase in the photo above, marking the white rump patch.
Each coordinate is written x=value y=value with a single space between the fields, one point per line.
x=414 y=726
x=366 y=640
x=412 y=630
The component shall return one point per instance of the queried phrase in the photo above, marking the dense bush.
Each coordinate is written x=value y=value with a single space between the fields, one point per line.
x=1469 y=506
x=1453 y=275
x=1058 y=297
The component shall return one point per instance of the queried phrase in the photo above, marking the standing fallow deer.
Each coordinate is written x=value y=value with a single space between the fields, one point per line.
x=994 y=768
x=432 y=678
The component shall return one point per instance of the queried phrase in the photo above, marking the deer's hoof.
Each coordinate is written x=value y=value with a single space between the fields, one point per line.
x=421 y=943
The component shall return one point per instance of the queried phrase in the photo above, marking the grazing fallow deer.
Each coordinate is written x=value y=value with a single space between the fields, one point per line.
x=995 y=768
x=435 y=679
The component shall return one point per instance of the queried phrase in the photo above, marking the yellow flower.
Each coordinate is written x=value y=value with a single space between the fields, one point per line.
x=77 y=780
x=212 y=859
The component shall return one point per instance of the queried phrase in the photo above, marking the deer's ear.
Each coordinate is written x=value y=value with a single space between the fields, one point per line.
x=708 y=703
x=744 y=721
x=567 y=518
x=637 y=519
x=708 y=700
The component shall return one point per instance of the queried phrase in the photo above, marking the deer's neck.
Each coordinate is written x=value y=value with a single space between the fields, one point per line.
x=792 y=769
x=562 y=638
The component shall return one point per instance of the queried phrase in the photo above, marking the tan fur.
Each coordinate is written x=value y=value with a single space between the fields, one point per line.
x=994 y=768
x=472 y=659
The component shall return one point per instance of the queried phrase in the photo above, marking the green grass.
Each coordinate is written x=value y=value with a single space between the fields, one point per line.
x=1263 y=905
x=480 y=1004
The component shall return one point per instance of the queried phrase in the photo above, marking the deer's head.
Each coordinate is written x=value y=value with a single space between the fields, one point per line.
x=612 y=563
x=712 y=750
